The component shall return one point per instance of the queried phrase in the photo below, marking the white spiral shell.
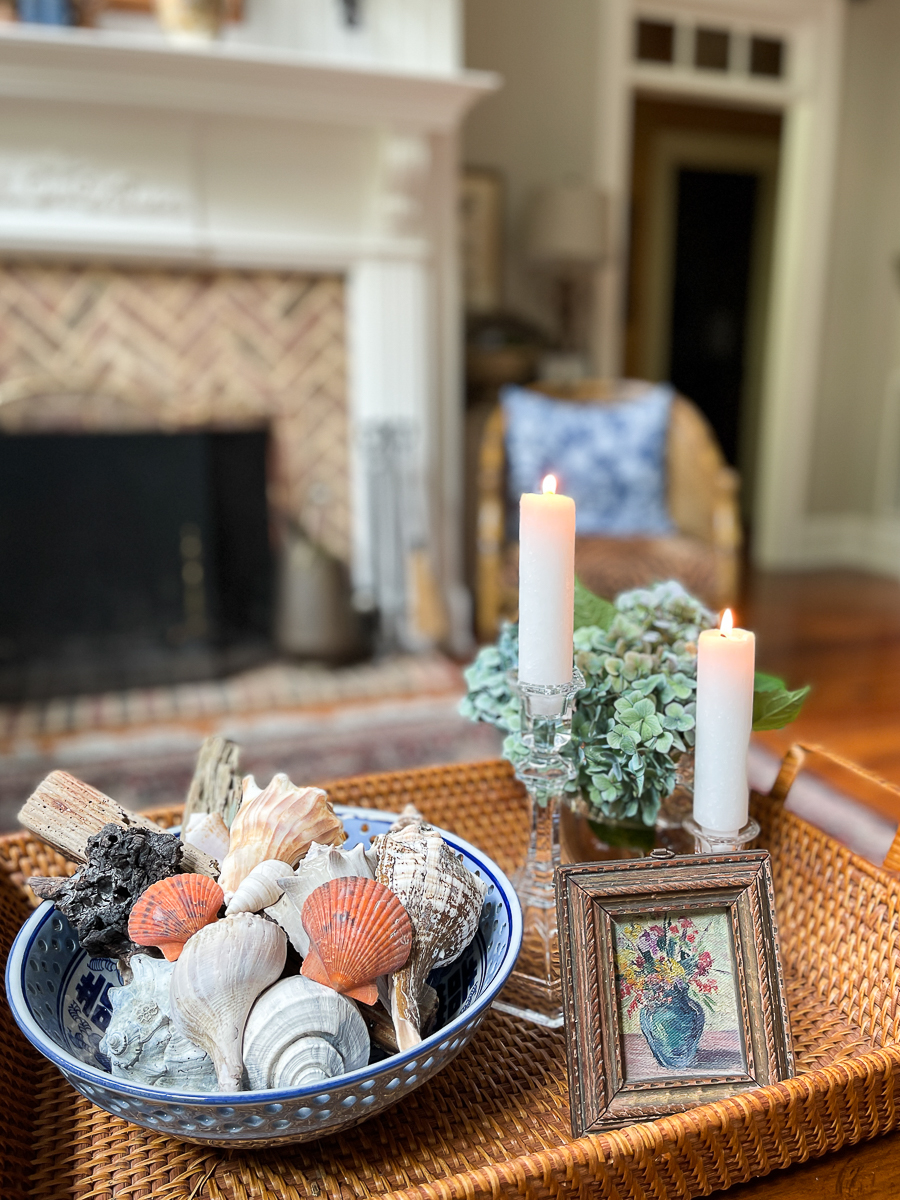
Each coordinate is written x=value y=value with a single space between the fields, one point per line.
x=300 y=1032
x=141 y=1041
x=444 y=901
x=260 y=888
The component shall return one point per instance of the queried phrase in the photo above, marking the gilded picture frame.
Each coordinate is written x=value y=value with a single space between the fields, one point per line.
x=672 y=985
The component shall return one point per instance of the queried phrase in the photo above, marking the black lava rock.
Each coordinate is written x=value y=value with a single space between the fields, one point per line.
x=122 y=864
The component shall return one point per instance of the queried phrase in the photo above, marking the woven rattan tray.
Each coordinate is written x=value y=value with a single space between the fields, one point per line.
x=496 y=1122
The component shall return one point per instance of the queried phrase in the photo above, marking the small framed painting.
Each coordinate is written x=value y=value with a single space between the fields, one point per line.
x=672 y=984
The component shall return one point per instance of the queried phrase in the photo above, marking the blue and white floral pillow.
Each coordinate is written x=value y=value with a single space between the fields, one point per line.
x=610 y=458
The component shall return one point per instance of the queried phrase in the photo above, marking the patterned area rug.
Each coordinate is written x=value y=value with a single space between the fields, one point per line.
x=313 y=723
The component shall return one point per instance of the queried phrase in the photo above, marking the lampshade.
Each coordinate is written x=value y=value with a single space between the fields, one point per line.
x=567 y=225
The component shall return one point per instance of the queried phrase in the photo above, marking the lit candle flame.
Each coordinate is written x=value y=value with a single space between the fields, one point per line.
x=726 y=622
x=549 y=485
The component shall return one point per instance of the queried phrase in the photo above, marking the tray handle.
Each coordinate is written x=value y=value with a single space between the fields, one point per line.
x=794 y=761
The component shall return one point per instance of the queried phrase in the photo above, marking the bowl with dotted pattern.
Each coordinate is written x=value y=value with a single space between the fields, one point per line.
x=59 y=996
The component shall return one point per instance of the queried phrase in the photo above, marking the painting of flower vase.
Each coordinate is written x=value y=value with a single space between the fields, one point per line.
x=678 y=1012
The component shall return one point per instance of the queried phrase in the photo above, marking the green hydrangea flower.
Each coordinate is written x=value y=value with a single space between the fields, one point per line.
x=635 y=716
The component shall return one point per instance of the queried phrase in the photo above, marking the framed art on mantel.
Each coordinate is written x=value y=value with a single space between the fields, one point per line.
x=481 y=239
x=672 y=985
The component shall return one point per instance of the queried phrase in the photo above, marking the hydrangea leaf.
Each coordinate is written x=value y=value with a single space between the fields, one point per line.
x=774 y=705
x=591 y=610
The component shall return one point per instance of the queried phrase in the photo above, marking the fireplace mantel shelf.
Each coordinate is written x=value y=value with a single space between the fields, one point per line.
x=105 y=67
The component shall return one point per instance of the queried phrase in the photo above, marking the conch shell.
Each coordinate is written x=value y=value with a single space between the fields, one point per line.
x=172 y=910
x=409 y=815
x=221 y=971
x=300 y=1033
x=321 y=864
x=141 y=1042
x=444 y=901
x=261 y=887
x=209 y=833
x=279 y=821
x=358 y=930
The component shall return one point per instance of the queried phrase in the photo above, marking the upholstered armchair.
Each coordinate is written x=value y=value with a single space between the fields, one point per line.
x=701 y=490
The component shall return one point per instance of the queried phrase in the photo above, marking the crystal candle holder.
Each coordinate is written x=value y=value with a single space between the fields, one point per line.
x=709 y=841
x=534 y=990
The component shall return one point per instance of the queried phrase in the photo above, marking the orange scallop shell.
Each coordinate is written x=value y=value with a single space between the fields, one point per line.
x=172 y=910
x=358 y=930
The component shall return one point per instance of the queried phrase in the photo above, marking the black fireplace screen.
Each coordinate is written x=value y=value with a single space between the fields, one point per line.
x=130 y=560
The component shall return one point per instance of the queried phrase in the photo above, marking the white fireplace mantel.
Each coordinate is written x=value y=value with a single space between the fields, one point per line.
x=124 y=147
x=105 y=67
x=121 y=144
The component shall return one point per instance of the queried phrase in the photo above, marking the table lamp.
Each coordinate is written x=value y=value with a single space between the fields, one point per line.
x=566 y=238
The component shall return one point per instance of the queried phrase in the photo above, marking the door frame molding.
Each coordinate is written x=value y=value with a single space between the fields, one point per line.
x=809 y=100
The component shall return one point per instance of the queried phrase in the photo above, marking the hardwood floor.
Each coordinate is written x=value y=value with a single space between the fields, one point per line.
x=840 y=632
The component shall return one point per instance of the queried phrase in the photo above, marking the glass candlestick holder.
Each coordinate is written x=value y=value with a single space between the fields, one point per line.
x=708 y=841
x=534 y=991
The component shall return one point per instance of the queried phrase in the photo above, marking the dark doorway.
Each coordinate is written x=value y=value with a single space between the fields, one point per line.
x=704 y=181
x=713 y=249
x=131 y=560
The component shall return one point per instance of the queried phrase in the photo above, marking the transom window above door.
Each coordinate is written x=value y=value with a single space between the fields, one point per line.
x=705 y=48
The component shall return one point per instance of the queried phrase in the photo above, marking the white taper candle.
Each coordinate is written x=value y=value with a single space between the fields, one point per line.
x=725 y=666
x=546 y=586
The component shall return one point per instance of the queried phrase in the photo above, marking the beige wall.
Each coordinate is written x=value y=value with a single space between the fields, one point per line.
x=862 y=329
x=540 y=127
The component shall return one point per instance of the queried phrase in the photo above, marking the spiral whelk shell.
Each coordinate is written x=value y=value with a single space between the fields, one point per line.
x=444 y=901
x=173 y=910
x=223 y=969
x=358 y=930
x=141 y=1041
x=261 y=887
x=279 y=821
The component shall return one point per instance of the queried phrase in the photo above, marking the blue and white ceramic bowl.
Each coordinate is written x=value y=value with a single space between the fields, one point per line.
x=60 y=998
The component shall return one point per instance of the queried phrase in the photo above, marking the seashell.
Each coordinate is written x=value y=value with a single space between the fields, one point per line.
x=381 y=1027
x=409 y=815
x=171 y=911
x=261 y=887
x=209 y=833
x=301 y=1033
x=279 y=821
x=221 y=971
x=358 y=930
x=444 y=901
x=141 y=1042
x=321 y=864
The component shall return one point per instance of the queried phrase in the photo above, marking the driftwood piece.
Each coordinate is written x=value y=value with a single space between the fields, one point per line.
x=47 y=887
x=64 y=813
x=216 y=786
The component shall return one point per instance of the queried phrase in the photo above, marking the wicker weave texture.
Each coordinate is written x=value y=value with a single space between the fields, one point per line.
x=495 y=1123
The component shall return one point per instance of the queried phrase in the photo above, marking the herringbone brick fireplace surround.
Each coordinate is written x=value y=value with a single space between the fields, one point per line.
x=116 y=349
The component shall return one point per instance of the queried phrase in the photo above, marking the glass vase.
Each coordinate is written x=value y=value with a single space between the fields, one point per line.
x=589 y=837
